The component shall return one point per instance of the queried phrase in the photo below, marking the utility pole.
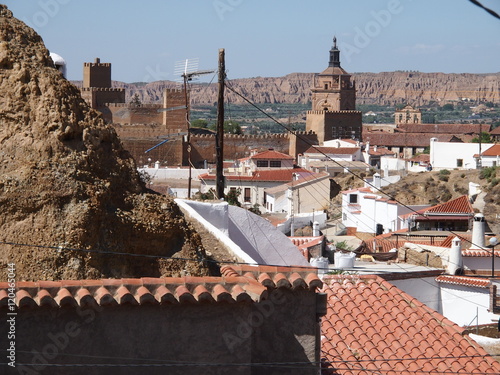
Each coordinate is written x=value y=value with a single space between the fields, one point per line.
x=219 y=139
x=188 y=137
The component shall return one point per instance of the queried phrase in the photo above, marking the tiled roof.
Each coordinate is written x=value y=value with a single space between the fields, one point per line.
x=237 y=284
x=372 y=327
x=271 y=154
x=457 y=205
x=479 y=253
x=492 y=151
x=359 y=190
x=423 y=158
x=380 y=151
x=273 y=175
x=464 y=280
x=460 y=205
x=445 y=128
x=305 y=242
x=303 y=179
x=403 y=139
x=495 y=131
x=332 y=150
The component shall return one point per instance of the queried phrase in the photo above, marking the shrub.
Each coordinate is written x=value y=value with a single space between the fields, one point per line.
x=487 y=173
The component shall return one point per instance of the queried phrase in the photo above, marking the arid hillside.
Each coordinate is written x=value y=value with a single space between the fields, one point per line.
x=387 y=88
x=70 y=195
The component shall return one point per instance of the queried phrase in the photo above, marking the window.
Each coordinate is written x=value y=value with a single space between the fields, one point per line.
x=353 y=198
x=275 y=163
x=344 y=216
x=262 y=163
x=326 y=86
x=460 y=162
x=247 y=195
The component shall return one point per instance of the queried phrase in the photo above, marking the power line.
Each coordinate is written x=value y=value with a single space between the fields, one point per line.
x=305 y=140
x=492 y=12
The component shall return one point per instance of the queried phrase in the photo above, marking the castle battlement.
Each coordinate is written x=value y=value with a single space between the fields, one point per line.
x=93 y=65
x=129 y=105
x=323 y=112
x=107 y=89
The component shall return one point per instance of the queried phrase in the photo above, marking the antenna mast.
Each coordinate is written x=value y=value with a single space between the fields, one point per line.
x=219 y=140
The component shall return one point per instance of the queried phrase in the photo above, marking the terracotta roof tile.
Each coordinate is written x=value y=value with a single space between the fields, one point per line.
x=492 y=151
x=464 y=280
x=274 y=175
x=238 y=284
x=332 y=150
x=271 y=154
x=393 y=334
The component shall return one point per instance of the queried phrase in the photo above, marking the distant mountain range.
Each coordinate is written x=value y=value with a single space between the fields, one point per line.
x=387 y=88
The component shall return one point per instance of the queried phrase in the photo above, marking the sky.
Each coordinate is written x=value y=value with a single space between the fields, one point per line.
x=267 y=38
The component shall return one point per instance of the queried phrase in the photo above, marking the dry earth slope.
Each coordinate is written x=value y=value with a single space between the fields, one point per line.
x=66 y=181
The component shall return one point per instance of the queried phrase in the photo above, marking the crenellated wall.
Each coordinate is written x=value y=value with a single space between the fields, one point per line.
x=138 y=138
x=125 y=113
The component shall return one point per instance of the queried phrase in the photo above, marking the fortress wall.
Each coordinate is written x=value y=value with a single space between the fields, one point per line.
x=125 y=113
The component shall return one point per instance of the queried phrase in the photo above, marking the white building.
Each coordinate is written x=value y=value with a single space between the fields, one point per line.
x=491 y=157
x=364 y=211
x=252 y=176
x=453 y=155
x=304 y=194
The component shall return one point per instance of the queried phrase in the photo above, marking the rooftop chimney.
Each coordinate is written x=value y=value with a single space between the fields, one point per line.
x=455 y=261
x=478 y=232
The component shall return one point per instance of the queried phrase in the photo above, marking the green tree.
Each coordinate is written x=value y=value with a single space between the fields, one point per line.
x=447 y=107
x=232 y=197
x=230 y=127
x=199 y=123
x=485 y=138
x=136 y=100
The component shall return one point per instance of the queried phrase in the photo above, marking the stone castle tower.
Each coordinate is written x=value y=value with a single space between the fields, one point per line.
x=333 y=114
x=408 y=115
x=97 y=90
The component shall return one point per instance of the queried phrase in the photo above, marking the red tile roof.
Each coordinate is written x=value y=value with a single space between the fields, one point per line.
x=457 y=205
x=460 y=205
x=464 y=280
x=492 y=151
x=403 y=139
x=306 y=242
x=380 y=151
x=271 y=154
x=273 y=175
x=332 y=150
x=456 y=129
x=479 y=253
x=237 y=284
x=372 y=327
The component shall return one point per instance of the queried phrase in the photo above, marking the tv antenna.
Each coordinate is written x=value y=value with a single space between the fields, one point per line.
x=186 y=70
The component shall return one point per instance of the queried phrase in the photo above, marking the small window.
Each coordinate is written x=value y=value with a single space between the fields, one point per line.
x=262 y=163
x=275 y=163
x=326 y=86
x=460 y=162
x=247 y=194
x=353 y=198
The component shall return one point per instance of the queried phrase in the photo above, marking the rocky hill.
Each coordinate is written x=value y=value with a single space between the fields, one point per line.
x=388 y=88
x=70 y=195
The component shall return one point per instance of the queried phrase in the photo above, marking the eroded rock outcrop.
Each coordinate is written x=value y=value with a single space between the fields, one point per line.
x=67 y=183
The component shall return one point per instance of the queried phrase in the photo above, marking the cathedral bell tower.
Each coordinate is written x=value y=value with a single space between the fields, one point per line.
x=333 y=89
x=333 y=114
